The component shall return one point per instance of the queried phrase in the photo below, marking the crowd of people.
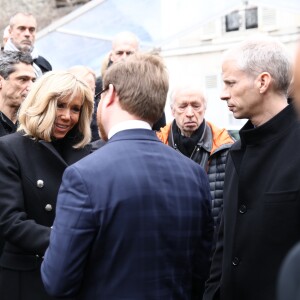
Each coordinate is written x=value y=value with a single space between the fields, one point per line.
x=101 y=199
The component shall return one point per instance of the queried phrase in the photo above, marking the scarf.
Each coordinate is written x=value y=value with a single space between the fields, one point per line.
x=9 y=46
x=186 y=145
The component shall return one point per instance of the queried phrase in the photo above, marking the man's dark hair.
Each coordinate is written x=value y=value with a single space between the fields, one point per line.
x=8 y=60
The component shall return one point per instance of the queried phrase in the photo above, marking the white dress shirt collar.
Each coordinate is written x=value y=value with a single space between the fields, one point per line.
x=131 y=124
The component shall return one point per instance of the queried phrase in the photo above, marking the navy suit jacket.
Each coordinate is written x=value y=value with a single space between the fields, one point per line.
x=133 y=221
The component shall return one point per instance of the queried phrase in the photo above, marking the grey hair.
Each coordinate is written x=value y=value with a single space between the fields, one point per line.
x=264 y=54
x=180 y=87
x=12 y=19
x=8 y=60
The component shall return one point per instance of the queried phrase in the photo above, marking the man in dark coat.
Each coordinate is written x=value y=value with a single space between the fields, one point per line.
x=142 y=231
x=22 y=31
x=289 y=275
x=16 y=77
x=261 y=214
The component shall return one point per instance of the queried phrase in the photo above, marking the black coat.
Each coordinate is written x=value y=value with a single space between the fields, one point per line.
x=31 y=174
x=261 y=217
x=43 y=64
x=288 y=287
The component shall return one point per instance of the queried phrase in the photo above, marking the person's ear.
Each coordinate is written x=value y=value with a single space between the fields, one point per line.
x=111 y=56
x=173 y=110
x=263 y=82
x=110 y=96
x=1 y=81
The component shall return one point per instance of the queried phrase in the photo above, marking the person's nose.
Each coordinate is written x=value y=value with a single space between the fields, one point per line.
x=66 y=114
x=225 y=94
x=27 y=33
x=29 y=85
x=189 y=111
x=124 y=55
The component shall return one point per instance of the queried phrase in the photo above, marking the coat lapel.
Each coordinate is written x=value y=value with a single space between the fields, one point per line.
x=71 y=155
x=53 y=151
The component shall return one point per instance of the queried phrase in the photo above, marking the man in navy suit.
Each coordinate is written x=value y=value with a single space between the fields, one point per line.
x=133 y=219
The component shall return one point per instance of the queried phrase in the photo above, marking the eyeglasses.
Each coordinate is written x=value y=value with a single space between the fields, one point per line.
x=98 y=95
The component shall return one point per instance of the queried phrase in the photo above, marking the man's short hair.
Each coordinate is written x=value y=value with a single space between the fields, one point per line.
x=13 y=17
x=9 y=60
x=264 y=54
x=141 y=82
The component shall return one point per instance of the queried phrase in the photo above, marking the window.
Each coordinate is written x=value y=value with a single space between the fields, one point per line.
x=233 y=21
x=241 y=19
x=251 y=20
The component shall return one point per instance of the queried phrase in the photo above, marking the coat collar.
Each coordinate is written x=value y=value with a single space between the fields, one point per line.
x=72 y=155
x=134 y=134
x=275 y=127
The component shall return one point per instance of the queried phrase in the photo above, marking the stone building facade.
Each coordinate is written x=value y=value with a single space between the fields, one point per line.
x=45 y=11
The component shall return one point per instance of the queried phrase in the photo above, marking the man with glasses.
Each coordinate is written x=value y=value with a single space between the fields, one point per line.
x=131 y=228
x=198 y=139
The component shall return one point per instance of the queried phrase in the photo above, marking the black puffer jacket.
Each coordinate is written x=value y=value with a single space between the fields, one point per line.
x=211 y=153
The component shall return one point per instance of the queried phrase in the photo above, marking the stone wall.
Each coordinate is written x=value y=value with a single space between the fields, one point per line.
x=45 y=11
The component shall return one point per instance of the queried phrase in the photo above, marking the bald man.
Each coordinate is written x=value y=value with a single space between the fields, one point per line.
x=124 y=44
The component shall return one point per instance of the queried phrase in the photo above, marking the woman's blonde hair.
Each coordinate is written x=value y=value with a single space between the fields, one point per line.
x=38 y=111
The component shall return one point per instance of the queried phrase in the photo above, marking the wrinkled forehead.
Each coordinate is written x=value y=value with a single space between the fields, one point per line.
x=23 y=21
x=188 y=95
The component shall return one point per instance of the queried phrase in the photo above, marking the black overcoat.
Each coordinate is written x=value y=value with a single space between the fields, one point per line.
x=261 y=216
x=30 y=176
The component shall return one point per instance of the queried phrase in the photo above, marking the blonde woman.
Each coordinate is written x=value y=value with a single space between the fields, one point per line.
x=54 y=132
